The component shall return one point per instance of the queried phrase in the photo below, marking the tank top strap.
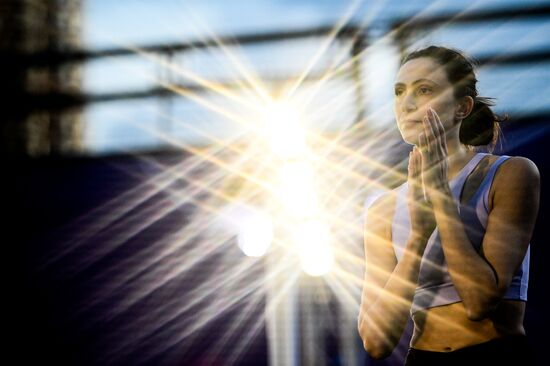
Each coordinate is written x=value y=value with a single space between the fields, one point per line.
x=487 y=181
x=457 y=182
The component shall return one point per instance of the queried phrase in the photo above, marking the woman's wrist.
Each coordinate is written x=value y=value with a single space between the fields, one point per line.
x=417 y=242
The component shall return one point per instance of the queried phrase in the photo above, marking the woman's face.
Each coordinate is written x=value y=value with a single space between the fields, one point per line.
x=422 y=83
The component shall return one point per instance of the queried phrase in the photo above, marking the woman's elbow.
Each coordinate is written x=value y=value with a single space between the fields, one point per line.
x=476 y=315
x=376 y=347
x=377 y=350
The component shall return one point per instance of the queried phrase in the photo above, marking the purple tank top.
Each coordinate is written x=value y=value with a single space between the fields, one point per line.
x=435 y=287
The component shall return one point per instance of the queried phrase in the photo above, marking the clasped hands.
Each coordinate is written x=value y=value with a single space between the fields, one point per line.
x=427 y=174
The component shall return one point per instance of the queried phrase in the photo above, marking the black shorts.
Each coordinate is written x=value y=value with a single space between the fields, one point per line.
x=508 y=350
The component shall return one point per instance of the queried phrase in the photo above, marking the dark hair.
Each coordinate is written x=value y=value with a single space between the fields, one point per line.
x=480 y=127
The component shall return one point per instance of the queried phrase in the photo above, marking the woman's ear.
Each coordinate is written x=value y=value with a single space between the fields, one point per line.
x=464 y=107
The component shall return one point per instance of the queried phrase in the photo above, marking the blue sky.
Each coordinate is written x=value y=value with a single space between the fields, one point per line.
x=147 y=21
x=134 y=23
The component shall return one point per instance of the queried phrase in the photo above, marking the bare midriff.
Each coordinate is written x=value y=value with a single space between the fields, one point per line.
x=447 y=328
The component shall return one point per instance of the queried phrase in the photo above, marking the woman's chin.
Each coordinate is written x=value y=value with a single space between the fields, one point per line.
x=409 y=133
x=409 y=139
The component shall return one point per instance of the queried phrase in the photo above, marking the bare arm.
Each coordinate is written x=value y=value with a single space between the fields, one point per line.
x=389 y=286
x=481 y=279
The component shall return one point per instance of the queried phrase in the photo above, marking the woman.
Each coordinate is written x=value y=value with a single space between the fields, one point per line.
x=449 y=246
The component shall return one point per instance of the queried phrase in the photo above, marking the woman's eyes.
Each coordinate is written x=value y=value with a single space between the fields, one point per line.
x=422 y=90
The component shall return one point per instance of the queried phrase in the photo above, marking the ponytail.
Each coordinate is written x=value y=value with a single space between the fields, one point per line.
x=481 y=126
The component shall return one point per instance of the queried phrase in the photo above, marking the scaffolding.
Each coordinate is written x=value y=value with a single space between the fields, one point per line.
x=33 y=125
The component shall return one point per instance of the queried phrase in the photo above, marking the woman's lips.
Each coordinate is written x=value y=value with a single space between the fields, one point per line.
x=410 y=122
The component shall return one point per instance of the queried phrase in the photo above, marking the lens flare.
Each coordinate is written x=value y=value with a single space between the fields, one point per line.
x=313 y=240
x=255 y=234
x=284 y=130
x=297 y=190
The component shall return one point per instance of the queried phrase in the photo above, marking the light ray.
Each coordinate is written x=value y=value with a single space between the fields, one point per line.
x=207 y=315
x=155 y=269
x=337 y=28
x=252 y=80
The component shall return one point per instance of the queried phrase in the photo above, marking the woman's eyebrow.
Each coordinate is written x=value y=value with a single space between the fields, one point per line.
x=417 y=82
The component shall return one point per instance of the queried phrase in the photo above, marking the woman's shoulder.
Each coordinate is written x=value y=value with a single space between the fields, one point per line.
x=382 y=204
x=515 y=177
x=517 y=167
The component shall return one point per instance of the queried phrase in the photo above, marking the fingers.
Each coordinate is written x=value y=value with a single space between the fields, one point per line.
x=432 y=141
x=429 y=137
x=432 y=135
x=432 y=154
x=414 y=180
x=435 y=127
x=412 y=166
x=417 y=161
x=425 y=155
x=440 y=131
x=423 y=143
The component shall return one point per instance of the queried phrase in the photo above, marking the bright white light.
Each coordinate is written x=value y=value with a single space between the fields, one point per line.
x=255 y=235
x=297 y=189
x=284 y=130
x=313 y=240
x=254 y=228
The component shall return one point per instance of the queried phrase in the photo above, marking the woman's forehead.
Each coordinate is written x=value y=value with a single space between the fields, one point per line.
x=421 y=68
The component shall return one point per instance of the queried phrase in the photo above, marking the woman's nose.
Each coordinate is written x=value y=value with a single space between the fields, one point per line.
x=408 y=103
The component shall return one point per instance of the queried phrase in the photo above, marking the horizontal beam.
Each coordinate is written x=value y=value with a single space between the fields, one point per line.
x=514 y=58
x=351 y=31
x=57 y=101
x=525 y=12
x=56 y=57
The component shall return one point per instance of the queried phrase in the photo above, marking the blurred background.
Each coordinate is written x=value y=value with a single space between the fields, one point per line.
x=185 y=181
